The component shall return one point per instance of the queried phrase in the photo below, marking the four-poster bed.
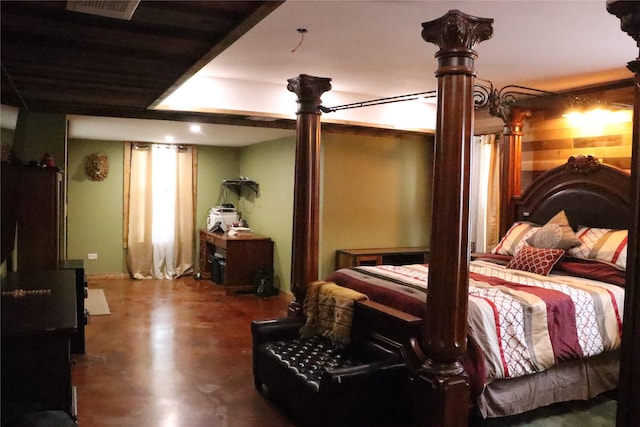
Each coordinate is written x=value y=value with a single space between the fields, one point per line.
x=436 y=346
x=503 y=379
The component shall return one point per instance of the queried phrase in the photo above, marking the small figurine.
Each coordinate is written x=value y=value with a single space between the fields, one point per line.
x=47 y=161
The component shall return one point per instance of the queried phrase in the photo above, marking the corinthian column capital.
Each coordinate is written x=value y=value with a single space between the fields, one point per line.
x=457 y=32
x=309 y=89
x=629 y=14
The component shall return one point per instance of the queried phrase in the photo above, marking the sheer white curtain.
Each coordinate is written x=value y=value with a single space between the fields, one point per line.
x=484 y=193
x=163 y=198
x=160 y=208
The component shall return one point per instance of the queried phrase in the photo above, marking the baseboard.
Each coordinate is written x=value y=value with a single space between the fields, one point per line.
x=108 y=276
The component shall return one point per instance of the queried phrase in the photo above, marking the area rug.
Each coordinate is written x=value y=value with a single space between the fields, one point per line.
x=96 y=303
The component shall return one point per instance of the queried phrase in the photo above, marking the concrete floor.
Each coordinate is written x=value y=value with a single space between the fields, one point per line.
x=173 y=354
x=178 y=354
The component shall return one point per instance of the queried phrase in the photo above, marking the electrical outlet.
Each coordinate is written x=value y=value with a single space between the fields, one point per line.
x=92 y=256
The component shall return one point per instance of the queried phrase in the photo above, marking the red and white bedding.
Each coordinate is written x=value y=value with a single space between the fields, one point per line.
x=524 y=322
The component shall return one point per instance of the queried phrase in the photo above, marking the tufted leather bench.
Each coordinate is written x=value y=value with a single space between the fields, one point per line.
x=364 y=384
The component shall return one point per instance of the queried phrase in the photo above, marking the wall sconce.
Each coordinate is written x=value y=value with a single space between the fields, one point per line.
x=597 y=114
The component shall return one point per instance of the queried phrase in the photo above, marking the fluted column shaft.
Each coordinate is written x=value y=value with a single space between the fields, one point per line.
x=442 y=377
x=306 y=200
x=511 y=163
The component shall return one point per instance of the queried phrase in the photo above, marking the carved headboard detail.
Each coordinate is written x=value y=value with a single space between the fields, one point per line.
x=591 y=193
x=582 y=164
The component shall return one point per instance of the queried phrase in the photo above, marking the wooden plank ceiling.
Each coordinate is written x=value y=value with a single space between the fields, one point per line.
x=61 y=61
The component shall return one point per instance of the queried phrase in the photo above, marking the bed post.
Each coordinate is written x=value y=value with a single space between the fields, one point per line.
x=511 y=157
x=510 y=162
x=306 y=192
x=442 y=385
x=628 y=410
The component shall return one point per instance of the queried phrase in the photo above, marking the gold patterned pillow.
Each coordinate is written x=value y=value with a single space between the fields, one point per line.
x=548 y=237
x=555 y=234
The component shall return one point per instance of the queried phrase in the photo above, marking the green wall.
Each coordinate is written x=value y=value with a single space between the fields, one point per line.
x=215 y=164
x=376 y=192
x=271 y=165
x=39 y=133
x=6 y=138
x=94 y=208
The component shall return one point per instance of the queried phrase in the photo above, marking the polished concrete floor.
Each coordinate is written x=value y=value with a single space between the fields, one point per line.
x=173 y=354
x=178 y=354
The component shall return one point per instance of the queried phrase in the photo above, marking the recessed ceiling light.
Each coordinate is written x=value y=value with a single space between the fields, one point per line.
x=195 y=128
x=168 y=138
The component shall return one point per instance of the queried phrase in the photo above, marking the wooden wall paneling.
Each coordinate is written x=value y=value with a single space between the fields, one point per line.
x=549 y=141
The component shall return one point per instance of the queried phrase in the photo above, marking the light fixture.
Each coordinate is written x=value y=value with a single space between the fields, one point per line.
x=195 y=128
x=168 y=138
x=121 y=9
x=597 y=116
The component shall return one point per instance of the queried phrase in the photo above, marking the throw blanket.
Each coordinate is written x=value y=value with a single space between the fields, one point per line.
x=329 y=311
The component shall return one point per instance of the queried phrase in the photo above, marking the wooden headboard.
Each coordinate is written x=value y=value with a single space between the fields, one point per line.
x=591 y=194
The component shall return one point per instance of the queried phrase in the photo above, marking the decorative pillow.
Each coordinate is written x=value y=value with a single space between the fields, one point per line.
x=602 y=244
x=556 y=233
x=548 y=237
x=535 y=260
x=569 y=238
x=515 y=238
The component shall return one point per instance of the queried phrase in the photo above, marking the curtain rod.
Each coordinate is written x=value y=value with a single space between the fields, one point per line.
x=485 y=95
x=147 y=146
x=409 y=97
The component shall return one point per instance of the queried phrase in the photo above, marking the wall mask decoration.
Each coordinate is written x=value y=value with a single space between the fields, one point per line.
x=97 y=167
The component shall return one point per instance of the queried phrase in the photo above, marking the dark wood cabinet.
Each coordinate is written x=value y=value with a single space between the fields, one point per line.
x=35 y=195
x=235 y=260
x=376 y=256
x=38 y=321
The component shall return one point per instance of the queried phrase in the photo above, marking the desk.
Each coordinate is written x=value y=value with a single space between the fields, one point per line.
x=375 y=256
x=38 y=320
x=242 y=256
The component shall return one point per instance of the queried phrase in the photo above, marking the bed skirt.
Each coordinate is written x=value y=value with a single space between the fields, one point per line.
x=577 y=380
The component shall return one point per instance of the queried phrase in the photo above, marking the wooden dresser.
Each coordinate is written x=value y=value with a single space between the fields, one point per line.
x=235 y=261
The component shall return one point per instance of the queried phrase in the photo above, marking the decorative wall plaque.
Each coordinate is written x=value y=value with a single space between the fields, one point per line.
x=97 y=167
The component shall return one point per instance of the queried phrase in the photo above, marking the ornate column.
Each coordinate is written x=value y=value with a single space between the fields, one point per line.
x=306 y=197
x=510 y=161
x=442 y=378
x=628 y=410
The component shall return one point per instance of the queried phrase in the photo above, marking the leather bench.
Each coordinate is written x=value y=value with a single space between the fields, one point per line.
x=363 y=384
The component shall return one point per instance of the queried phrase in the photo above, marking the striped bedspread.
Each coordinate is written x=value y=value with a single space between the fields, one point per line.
x=524 y=322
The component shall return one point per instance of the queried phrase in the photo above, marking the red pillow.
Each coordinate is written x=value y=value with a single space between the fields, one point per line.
x=535 y=260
